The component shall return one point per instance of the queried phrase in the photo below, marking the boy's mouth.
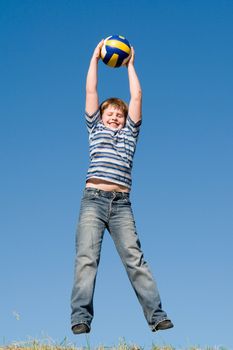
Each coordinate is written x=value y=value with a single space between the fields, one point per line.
x=114 y=125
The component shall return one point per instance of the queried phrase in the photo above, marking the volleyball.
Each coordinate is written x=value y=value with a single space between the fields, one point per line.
x=116 y=51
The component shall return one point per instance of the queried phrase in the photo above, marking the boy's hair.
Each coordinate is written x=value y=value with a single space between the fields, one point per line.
x=114 y=101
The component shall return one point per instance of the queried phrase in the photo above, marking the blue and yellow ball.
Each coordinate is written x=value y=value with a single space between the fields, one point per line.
x=116 y=51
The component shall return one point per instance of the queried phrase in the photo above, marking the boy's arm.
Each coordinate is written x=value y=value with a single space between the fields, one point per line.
x=92 y=101
x=135 y=104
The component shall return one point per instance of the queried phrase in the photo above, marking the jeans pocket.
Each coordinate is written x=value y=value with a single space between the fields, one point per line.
x=89 y=194
x=125 y=201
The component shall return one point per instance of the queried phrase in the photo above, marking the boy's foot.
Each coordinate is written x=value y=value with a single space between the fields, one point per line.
x=165 y=324
x=80 y=328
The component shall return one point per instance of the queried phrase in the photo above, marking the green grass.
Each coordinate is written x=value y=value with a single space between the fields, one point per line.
x=47 y=343
x=35 y=345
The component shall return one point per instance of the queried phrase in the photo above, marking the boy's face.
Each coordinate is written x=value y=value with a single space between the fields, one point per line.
x=113 y=117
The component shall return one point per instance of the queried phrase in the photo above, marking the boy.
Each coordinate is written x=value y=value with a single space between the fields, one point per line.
x=113 y=131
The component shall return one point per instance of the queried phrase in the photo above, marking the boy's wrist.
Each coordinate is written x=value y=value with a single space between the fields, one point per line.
x=94 y=60
x=130 y=66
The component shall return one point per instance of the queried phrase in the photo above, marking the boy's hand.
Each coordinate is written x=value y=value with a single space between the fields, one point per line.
x=132 y=56
x=97 y=52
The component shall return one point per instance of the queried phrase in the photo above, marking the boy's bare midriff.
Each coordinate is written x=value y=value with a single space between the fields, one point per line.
x=106 y=185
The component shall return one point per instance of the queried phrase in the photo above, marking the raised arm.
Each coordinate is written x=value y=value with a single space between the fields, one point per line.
x=135 y=104
x=92 y=101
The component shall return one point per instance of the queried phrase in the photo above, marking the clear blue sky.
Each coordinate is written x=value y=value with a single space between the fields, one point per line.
x=183 y=174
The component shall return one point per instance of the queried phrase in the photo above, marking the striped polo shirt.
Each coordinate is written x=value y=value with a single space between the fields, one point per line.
x=111 y=150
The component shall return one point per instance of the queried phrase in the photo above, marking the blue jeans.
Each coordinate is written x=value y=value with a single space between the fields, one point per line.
x=102 y=210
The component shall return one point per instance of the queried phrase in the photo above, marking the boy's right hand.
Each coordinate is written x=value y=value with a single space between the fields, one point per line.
x=97 y=52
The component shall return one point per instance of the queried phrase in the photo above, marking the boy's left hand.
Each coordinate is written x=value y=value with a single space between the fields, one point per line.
x=132 y=56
